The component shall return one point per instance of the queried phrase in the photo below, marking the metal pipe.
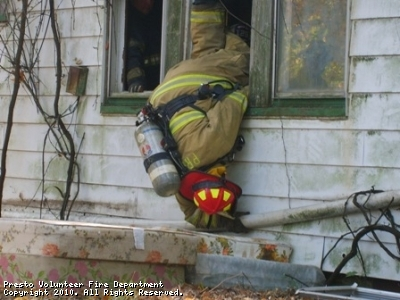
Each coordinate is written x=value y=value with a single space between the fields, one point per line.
x=321 y=211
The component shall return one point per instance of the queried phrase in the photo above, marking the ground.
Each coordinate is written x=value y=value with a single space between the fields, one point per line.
x=198 y=293
x=190 y=292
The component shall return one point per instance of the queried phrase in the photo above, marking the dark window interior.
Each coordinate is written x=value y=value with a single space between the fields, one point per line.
x=146 y=30
x=239 y=11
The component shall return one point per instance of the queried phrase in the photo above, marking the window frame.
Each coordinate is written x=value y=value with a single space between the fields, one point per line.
x=3 y=12
x=174 y=49
x=176 y=45
x=262 y=73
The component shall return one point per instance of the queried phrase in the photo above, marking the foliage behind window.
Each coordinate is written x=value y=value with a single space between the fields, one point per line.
x=311 y=47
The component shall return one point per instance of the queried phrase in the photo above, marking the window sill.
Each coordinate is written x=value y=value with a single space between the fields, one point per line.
x=131 y=103
x=323 y=108
x=124 y=103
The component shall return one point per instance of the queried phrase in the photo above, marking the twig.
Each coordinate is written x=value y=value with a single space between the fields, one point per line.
x=17 y=80
x=226 y=279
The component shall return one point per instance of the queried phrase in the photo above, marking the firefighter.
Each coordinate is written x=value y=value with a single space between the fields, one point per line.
x=144 y=45
x=216 y=77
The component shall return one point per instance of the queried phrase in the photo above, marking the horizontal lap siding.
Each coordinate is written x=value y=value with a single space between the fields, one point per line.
x=94 y=199
x=380 y=72
x=372 y=9
x=368 y=38
x=310 y=182
x=88 y=112
x=364 y=148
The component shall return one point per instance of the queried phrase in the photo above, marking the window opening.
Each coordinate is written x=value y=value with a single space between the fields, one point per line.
x=142 y=55
x=169 y=19
x=239 y=12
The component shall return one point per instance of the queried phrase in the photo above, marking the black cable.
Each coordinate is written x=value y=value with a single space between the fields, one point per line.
x=360 y=232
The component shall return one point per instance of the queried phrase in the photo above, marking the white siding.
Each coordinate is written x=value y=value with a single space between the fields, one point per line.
x=383 y=79
x=368 y=40
x=372 y=9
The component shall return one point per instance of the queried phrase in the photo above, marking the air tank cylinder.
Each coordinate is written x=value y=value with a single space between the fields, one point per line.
x=157 y=162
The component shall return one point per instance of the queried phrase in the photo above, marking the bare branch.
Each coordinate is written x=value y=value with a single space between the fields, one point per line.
x=17 y=73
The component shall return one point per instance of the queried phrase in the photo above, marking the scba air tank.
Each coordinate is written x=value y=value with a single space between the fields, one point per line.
x=157 y=162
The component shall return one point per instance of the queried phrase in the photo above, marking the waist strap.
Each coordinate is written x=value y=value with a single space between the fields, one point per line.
x=169 y=109
x=213 y=89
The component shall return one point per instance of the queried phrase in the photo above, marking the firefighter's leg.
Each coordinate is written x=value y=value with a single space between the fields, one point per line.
x=207 y=24
x=204 y=140
x=207 y=222
x=193 y=214
x=223 y=122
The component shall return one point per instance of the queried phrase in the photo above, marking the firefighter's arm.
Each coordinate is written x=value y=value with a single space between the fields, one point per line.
x=135 y=75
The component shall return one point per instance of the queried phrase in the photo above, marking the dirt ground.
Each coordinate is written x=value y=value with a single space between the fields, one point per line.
x=198 y=293
x=189 y=292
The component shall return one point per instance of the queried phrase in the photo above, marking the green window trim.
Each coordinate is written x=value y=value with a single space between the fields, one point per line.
x=122 y=105
x=3 y=12
x=305 y=108
x=324 y=108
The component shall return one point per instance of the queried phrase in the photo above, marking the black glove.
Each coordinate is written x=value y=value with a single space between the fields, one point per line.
x=238 y=226
x=135 y=88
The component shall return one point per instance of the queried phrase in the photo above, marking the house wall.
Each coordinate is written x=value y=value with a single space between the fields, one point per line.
x=286 y=163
